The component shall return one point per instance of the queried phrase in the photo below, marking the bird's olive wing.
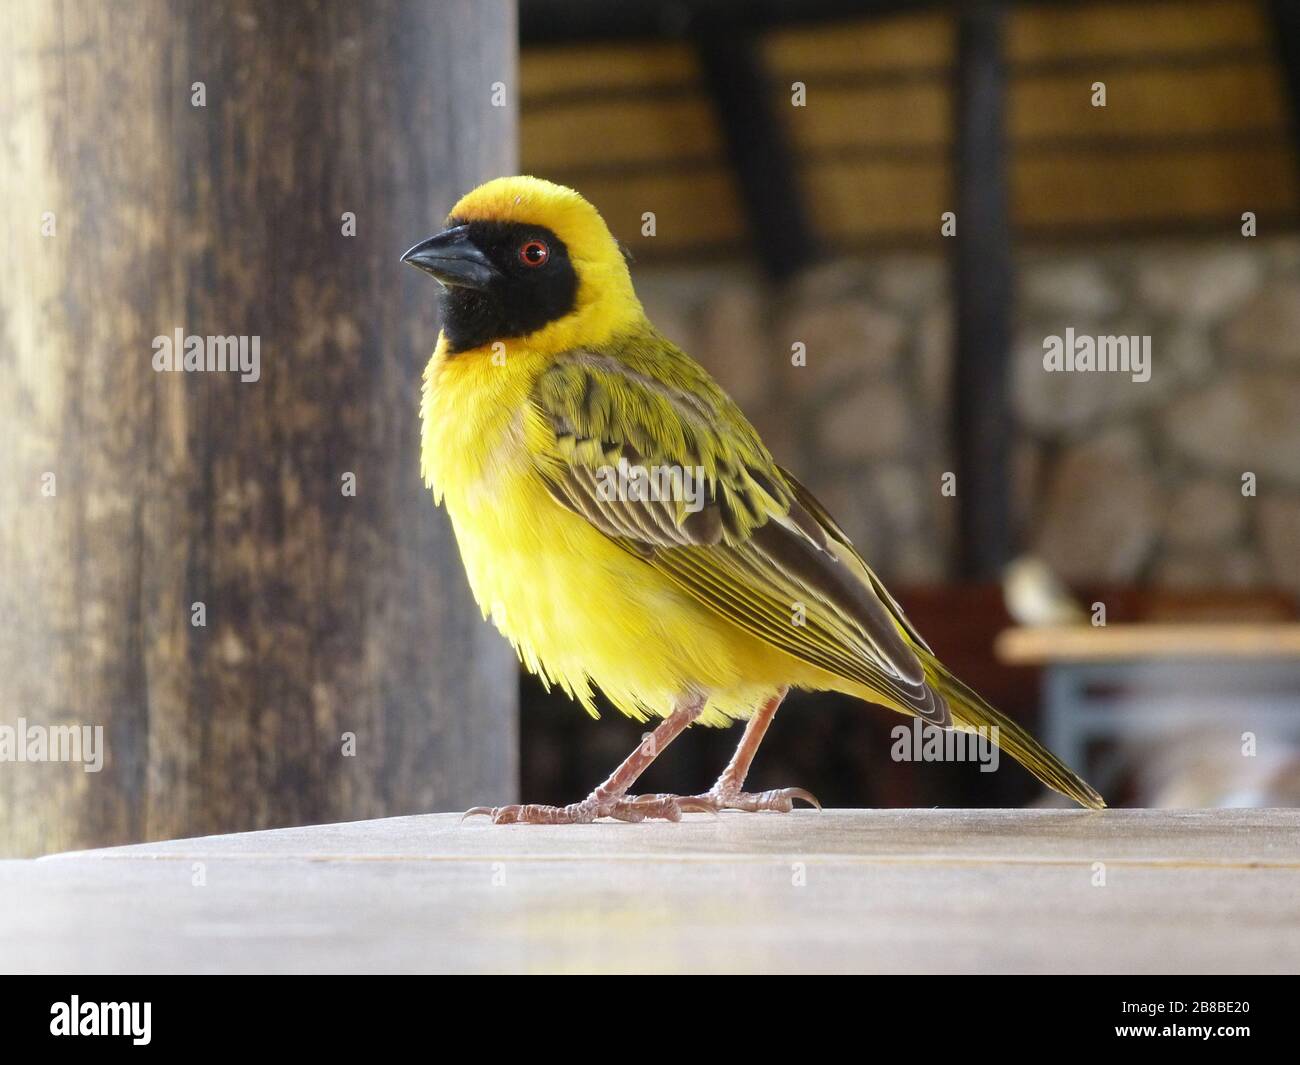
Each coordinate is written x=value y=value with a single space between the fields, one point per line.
x=715 y=514
x=831 y=528
x=649 y=459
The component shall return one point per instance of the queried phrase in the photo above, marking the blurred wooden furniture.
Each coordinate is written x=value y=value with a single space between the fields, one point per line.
x=899 y=891
x=1134 y=680
x=1080 y=643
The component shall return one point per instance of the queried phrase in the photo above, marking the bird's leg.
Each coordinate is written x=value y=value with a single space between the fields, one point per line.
x=610 y=799
x=726 y=793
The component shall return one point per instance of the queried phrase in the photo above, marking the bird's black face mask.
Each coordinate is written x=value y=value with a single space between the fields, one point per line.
x=499 y=280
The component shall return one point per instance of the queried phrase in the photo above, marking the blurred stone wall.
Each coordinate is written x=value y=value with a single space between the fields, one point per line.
x=1116 y=480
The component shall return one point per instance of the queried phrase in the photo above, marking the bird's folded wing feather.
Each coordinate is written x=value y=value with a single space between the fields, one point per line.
x=756 y=547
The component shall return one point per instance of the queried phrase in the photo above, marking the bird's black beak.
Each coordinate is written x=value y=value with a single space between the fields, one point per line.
x=453 y=259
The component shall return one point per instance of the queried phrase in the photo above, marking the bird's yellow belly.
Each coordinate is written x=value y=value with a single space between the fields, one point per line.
x=582 y=611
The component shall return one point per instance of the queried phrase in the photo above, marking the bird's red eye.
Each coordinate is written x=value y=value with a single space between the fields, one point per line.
x=534 y=253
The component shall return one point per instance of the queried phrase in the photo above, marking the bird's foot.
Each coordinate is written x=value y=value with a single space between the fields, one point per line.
x=626 y=808
x=779 y=800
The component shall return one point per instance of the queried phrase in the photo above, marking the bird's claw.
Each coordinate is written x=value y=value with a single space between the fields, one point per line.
x=533 y=814
x=661 y=807
x=626 y=808
x=778 y=800
x=479 y=811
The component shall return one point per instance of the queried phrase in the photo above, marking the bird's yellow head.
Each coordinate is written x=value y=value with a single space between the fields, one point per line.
x=524 y=260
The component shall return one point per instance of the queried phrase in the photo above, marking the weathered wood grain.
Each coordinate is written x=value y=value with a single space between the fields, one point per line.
x=980 y=891
x=325 y=613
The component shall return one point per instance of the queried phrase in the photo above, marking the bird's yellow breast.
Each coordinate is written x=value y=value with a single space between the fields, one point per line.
x=578 y=608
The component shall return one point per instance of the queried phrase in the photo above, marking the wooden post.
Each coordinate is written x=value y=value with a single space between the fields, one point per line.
x=982 y=288
x=233 y=576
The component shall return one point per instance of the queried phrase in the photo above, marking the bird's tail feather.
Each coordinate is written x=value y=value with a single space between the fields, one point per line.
x=970 y=712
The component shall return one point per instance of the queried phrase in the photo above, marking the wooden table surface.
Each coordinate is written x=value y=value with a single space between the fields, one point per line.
x=844 y=890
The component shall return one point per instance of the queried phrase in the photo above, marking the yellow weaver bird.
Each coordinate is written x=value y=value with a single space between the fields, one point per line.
x=623 y=525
